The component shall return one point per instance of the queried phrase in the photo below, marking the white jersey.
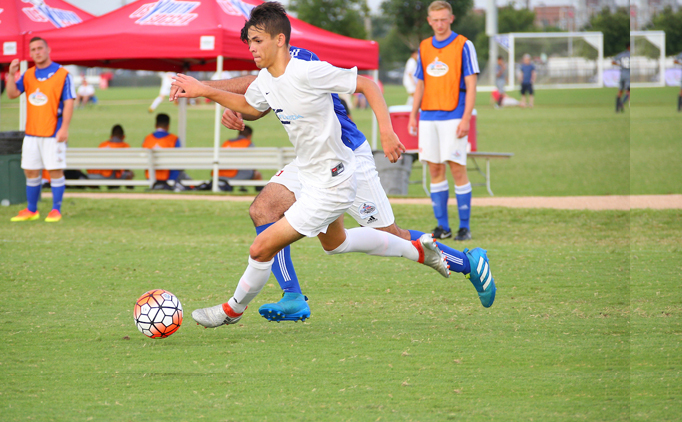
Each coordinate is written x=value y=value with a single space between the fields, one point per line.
x=301 y=100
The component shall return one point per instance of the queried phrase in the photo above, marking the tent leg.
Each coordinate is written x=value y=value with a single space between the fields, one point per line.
x=216 y=131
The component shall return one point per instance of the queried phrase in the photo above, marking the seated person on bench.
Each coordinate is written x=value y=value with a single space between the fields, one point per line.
x=116 y=141
x=243 y=140
x=161 y=138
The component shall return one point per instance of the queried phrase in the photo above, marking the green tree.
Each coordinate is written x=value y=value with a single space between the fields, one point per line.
x=409 y=18
x=345 y=17
x=614 y=26
x=671 y=23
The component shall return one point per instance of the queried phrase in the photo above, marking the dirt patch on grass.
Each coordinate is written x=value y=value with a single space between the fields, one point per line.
x=555 y=202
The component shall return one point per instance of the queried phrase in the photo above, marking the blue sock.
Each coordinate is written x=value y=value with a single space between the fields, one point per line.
x=439 y=200
x=33 y=192
x=58 y=186
x=463 y=194
x=283 y=267
x=458 y=261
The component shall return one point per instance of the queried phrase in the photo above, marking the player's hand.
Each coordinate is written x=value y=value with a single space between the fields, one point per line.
x=13 y=67
x=188 y=87
x=463 y=129
x=175 y=90
x=62 y=134
x=232 y=120
x=412 y=126
x=392 y=146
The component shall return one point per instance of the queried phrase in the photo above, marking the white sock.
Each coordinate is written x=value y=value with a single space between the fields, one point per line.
x=156 y=102
x=251 y=283
x=376 y=242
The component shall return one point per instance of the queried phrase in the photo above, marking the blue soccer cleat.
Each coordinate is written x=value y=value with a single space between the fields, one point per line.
x=291 y=307
x=480 y=276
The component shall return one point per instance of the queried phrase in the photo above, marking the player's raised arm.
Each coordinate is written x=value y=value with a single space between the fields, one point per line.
x=189 y=87
x=390 y=143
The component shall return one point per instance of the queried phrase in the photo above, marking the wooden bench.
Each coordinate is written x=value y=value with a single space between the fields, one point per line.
x=261 y=158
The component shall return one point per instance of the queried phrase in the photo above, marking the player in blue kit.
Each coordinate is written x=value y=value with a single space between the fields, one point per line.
x=622 y=60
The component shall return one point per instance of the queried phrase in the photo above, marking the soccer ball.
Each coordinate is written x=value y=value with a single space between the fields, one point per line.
x=158 y=313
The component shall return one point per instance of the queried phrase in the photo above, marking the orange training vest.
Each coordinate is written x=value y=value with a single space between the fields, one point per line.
x=237 y=143
x=43 y=102
x=152 y=142
x=107 y=173
x=442 y=74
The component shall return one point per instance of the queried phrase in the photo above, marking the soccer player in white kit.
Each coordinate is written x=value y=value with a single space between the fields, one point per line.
x=298 y=92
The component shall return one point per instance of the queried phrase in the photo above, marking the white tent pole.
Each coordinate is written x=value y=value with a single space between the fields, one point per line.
x=182 y=121
x=23 y=67
x=375 y=126
x=216 y=131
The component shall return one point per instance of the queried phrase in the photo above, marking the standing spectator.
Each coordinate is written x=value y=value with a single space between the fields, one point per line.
x=623 y=60
x=527 y=78
x=85 y=93
x=243 y=140
x=162 y=138
x=166 y=81
x=500 y=79
x=116 y=141
x=446 y=91
x=49 y=107
x=409 y=80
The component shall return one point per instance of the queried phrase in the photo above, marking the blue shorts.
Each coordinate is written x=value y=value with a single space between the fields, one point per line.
x=526 y=87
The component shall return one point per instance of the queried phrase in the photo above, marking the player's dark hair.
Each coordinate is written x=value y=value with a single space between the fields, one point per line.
x=162 y=119
x=628 y=45
x=117 y=131
x=269 y=17
x=499 y=57
x=248 y=131
x=37 y=39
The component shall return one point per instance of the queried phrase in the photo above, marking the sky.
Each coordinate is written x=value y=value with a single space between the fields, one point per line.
x=100 y=7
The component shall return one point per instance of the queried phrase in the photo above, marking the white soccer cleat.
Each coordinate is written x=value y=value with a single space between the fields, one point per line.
x=431 y=255
x=215 y=316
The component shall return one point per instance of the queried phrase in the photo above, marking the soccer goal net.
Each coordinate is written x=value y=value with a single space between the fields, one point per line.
x=561 y=59
x=647 y=58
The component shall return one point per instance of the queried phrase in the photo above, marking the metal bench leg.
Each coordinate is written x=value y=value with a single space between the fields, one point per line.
x=487 y=177
x=424 y=171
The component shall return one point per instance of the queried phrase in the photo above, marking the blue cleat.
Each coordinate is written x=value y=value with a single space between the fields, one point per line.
x=291 y=307
x=481 y=276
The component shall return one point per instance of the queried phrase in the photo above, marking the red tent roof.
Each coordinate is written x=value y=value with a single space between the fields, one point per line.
x=19 y=17
x=167 y=34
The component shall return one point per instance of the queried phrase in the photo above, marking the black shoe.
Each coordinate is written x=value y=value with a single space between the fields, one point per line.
x=440 y=233
x=463 y=234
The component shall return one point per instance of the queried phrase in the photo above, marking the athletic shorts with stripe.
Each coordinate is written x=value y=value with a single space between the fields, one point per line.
x=371 y=207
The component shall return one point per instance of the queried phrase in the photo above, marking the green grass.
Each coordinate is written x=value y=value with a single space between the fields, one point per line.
x=388 y=340
x=572 y=143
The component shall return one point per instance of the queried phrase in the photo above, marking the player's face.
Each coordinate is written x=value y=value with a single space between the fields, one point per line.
x=440 y=21
x=263 y=47
x=40 y=52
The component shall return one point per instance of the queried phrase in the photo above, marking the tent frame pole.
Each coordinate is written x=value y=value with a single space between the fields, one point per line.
x=216 y=131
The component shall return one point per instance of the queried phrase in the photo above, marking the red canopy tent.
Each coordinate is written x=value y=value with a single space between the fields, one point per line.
x=177 y=35
x=18 y=17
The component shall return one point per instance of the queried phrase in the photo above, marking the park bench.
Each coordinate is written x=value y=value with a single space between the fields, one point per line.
x=262 y=158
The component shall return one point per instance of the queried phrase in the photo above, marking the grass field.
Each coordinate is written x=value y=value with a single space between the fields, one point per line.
x=586 y=325
x=572 y=143
x=391 y=341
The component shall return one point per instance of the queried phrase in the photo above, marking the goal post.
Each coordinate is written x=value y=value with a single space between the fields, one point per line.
x=561 y=59
x=647 y=58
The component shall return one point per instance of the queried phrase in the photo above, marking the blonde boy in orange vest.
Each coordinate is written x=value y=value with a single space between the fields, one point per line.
x=447 y=71
x=50 y=94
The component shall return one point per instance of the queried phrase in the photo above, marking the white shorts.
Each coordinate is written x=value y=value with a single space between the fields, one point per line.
x=316 y=208
x=39 y=153
x=371 y=207
x=438 y=142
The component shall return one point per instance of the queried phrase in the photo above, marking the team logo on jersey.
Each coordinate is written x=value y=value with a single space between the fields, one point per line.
x=166 y=13
x=286 y=119
x=41 y=12
x=437 y=68
x=37 y=98
x=367 y=209
x=338 y=169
